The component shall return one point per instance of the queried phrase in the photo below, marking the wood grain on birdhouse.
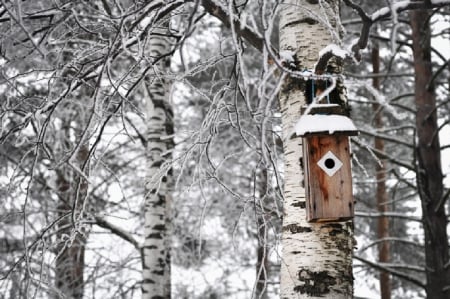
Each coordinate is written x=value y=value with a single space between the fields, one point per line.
x=328 y=178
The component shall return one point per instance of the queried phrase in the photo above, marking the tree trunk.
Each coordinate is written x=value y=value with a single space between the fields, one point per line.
x=69 y=276
x=428 y=162
x=381 y=194
x=156 y=249
x=317 y=257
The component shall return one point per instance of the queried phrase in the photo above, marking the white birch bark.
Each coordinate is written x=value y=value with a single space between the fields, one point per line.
x=158 y=185
x=317 y=257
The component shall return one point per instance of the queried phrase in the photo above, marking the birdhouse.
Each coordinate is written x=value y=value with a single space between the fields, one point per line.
x=327 y=164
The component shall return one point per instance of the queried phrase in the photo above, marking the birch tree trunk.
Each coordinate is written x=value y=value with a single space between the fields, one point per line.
x=158 y=185
x=428 y=155
x=317 y=257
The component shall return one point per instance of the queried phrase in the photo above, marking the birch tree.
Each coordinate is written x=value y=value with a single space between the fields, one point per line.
x=317 y=257
x=159 y=145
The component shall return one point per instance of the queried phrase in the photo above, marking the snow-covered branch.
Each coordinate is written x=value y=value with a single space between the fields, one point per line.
x=102 y=222
x=383 y=13
x=215 y=9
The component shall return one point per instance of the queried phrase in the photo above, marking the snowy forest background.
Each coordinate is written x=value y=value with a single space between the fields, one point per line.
x=77 y=132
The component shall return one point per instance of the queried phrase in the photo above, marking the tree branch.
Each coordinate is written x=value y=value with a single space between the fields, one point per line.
x=383 y=13
x=388 y=214
x=215 y=9
x=391 y=239
x=392 y=271
x=386 y=138
x=102 y=222
x=384 y=155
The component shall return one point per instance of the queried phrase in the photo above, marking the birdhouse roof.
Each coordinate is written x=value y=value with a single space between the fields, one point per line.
x=325 y=124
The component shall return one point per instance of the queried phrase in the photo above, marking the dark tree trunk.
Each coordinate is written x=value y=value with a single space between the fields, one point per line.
x=381 y=193
x=69 y=277
x=428 y=162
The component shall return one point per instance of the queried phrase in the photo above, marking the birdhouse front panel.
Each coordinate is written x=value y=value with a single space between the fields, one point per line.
x=328 y=178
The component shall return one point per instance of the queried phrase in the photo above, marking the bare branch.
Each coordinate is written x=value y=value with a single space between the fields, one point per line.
x=384 y=155
x=102 y=222
x=392 y=271
x=214 y=9
x=391 y=239
x=388 y=214
x=386 y=137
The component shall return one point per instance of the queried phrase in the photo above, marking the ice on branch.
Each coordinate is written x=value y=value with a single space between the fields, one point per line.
x=287 y=55
x=381 y=99
x=287 y=58
x=385 y=11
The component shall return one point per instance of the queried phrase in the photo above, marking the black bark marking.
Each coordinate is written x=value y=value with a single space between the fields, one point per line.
x=156 y=164
x=160 y=227
x=155 y=236
x=300 y=204
x=309 y=21
x=158 y=272
x=294 y=229
x=341 y=242
x=314 y=283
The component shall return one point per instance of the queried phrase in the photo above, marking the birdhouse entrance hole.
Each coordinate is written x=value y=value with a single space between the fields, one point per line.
x=329 y=163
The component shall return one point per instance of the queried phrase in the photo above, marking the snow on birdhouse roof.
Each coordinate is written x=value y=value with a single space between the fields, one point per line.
x=325 y=124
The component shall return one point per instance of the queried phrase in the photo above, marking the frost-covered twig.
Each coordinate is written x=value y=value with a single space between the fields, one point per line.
x=383 y=13
x=215 y=9
x=381 y=99
x=19 y=22
x=383 y=155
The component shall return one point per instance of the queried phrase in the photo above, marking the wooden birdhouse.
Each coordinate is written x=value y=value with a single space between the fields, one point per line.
x=327 y=164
